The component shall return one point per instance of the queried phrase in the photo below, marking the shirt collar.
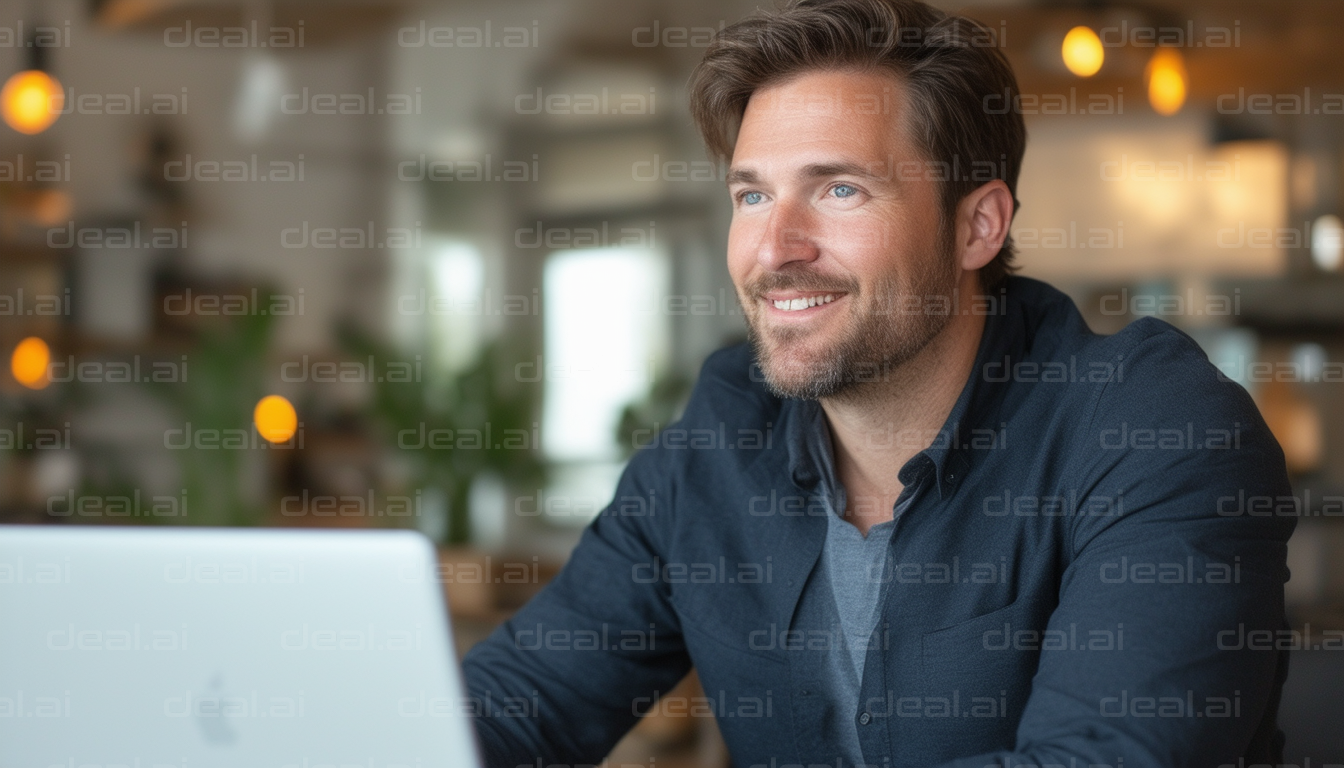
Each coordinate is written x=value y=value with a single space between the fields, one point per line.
x=968 y=427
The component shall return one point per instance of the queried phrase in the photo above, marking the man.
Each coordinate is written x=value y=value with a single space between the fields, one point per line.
x=926 y=517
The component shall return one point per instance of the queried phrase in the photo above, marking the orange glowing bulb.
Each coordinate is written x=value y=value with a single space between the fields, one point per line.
x=1082 y=51
x=1167 y=81
x=31 y=101
x=29 y=363
x=275 y=418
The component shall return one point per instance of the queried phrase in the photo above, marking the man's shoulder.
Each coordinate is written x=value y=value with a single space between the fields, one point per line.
x=1150 y=363
x=1162 y=428
x=1056 y=328
x=1163 y=371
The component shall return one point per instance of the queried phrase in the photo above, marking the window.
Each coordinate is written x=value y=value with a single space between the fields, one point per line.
x=603 y=338
x=457 y=281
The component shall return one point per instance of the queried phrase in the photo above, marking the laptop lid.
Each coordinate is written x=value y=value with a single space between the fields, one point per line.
x=143 y=647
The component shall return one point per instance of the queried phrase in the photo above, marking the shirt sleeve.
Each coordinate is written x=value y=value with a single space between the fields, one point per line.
x=559 y=681
x=1191 y=566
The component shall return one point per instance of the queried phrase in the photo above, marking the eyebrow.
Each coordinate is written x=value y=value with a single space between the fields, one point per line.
x=742 y=176
x=810 y=171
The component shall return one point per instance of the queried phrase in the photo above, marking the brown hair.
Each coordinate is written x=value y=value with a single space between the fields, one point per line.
x=951 y=68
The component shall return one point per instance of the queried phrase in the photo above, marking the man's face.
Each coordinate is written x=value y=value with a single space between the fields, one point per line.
x=836 y=246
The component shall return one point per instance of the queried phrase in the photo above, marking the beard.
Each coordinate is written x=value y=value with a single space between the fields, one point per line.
x=883 y=328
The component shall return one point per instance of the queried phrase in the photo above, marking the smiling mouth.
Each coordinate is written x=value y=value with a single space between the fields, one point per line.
x=804 y=302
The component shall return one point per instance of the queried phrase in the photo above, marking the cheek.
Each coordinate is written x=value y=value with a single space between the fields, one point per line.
x=864 y=240
x=741 y=246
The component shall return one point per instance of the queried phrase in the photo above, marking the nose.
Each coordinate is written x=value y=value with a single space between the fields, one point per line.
x=787 y=237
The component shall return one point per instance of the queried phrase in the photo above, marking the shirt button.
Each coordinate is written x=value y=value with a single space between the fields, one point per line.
x=865 y=719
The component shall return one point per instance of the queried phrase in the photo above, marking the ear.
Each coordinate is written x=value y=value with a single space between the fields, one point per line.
x=983 y=218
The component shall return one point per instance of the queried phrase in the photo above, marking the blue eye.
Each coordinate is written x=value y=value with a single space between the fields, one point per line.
x=752 y=198
x=844 y=190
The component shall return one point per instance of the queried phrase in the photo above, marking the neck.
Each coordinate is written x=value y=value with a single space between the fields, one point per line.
x=878 y=428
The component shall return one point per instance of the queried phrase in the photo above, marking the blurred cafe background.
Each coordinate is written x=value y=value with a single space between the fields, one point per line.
x=445 y=264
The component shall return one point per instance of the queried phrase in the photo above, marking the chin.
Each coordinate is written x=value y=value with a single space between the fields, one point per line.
x=797 y=370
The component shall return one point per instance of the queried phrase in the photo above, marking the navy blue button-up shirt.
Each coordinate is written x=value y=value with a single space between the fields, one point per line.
x=1087 y=579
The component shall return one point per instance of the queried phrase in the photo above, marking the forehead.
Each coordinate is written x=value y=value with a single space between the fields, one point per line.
x=860 y=115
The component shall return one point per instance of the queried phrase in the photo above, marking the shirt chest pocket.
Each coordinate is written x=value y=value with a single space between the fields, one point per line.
x=979 y=660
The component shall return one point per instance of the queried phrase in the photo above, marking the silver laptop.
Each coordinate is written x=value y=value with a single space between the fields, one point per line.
x=203 y=648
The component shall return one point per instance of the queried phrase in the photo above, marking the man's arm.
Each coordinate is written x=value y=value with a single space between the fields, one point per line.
x=1195 y=579
x=557 y=681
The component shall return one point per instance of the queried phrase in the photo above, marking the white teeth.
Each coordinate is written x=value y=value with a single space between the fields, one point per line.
x=790 y=305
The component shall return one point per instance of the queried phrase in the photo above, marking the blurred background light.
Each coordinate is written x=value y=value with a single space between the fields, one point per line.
x=1327 y=242
x=31 y=101
x=1082 y=51
x=260 y=89
x=1167 y=81
x=1310 y=360
x=29 y=363
x=275 y=419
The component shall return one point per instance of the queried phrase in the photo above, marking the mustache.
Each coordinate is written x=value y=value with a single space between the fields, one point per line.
x=801 y=281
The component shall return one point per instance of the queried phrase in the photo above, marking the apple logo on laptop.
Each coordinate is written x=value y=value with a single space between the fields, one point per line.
x=215 y=727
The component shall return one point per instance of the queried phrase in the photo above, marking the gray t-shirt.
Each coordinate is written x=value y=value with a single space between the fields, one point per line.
x=842 y=600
